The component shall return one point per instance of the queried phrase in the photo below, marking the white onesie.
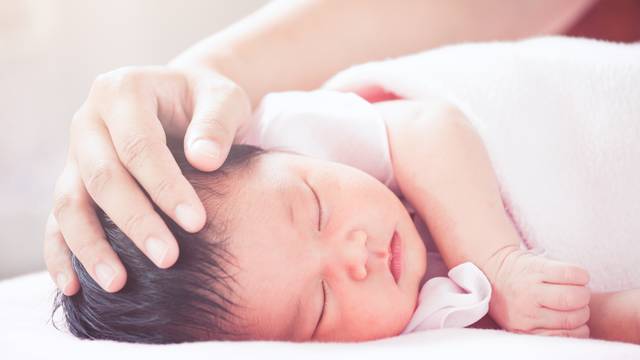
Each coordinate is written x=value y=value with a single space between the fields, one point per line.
x=344 y=128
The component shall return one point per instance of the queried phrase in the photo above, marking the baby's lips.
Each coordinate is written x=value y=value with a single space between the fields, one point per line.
x=395 y=258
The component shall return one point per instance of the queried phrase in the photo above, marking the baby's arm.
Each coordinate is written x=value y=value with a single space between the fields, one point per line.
x=444 y=171
x=616 y=316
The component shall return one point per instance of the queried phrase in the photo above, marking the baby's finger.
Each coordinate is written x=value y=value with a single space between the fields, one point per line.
x=220 y=108
x=579 y=332
x=83 y=233
x=57 y=258
x=561 y=320
x=557 y=272
x=562 y=297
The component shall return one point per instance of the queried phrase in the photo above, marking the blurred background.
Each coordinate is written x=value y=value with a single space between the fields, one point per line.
x=50 y=52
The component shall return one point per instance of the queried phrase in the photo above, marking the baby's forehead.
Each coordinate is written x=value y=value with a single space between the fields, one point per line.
x=243 y=189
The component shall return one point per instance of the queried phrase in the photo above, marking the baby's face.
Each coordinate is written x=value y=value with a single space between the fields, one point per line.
x=312 y=240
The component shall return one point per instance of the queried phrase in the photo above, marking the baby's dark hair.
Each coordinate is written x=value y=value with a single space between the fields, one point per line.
x=191 y=301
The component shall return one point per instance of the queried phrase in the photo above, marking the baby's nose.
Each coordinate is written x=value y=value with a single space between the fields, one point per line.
x=356 y=254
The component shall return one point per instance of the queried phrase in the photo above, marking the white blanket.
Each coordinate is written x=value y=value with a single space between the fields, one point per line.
x=25 y=304
x=560 y=118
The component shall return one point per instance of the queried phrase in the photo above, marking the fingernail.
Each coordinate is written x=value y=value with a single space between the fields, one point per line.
x=157 y=249
x=62 y=280
x=188 y=217
x=105 y=274
x=206 y=148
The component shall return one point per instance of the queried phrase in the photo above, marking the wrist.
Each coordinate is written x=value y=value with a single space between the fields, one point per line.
x=492 y=266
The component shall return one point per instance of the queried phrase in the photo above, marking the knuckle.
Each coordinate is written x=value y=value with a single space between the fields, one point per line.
x=584 y=296
x=128 y=78
x=99 y=177
x=238 y=99
x=526 y=326
x=568 y=322
x=133 y=224
x=519 y=322
x=100 y=83
x=57 y=261
x=163 y=189
x=85 y=251
x=78 y=116
x=121 y=79
x=568 y=273
x=225 y=88
x=49 y=254
x=235 y=92
x=564 y=333
x=90 y=250
x=586 y=315
x=572 y=299
x=586 y=275
x=62 y=203
x=54 y=245
x=212 y=123
x=134 y=149
x=563 y=300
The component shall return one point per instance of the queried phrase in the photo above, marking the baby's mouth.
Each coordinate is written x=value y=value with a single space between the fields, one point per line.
x=395 y=258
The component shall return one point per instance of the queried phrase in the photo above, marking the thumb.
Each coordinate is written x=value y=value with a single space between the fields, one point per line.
x=220 y=107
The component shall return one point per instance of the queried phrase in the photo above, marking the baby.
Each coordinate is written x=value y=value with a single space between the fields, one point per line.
x=301 y=248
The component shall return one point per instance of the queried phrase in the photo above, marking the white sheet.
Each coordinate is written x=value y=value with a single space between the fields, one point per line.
x=25 y=333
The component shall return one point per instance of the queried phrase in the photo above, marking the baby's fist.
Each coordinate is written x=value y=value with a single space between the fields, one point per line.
x=536 y=295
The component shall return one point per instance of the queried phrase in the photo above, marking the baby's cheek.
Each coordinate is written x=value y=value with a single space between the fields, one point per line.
x=387 y=316
x=366 y=328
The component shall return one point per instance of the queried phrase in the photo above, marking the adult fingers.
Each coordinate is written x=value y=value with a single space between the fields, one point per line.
x=552 y=319
x=563 y=297
x=562 y=273
x=116 y=192
x=220 y=107
x=82 y=233
x=57 y=258
x=140 y=143
x=579 y=332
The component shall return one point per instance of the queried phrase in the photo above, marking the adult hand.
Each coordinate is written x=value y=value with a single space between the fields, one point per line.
x=118 y=137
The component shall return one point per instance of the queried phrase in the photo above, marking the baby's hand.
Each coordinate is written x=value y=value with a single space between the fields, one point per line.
x=536 y=295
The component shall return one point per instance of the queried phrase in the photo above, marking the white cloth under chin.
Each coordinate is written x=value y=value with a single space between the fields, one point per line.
x=345 y=128
x=457 y=300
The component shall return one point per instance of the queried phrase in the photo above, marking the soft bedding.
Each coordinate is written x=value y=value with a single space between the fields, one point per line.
x=28 y=334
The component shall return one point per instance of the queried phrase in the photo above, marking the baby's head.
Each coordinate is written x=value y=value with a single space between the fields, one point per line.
x=289 y=240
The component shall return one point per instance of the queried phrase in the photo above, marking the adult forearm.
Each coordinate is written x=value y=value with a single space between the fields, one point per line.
x=299 y=44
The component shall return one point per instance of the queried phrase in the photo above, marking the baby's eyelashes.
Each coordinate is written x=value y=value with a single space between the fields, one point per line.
x=318 y=205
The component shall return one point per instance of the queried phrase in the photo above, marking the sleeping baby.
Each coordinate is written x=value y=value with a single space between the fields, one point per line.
x=335 y=219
